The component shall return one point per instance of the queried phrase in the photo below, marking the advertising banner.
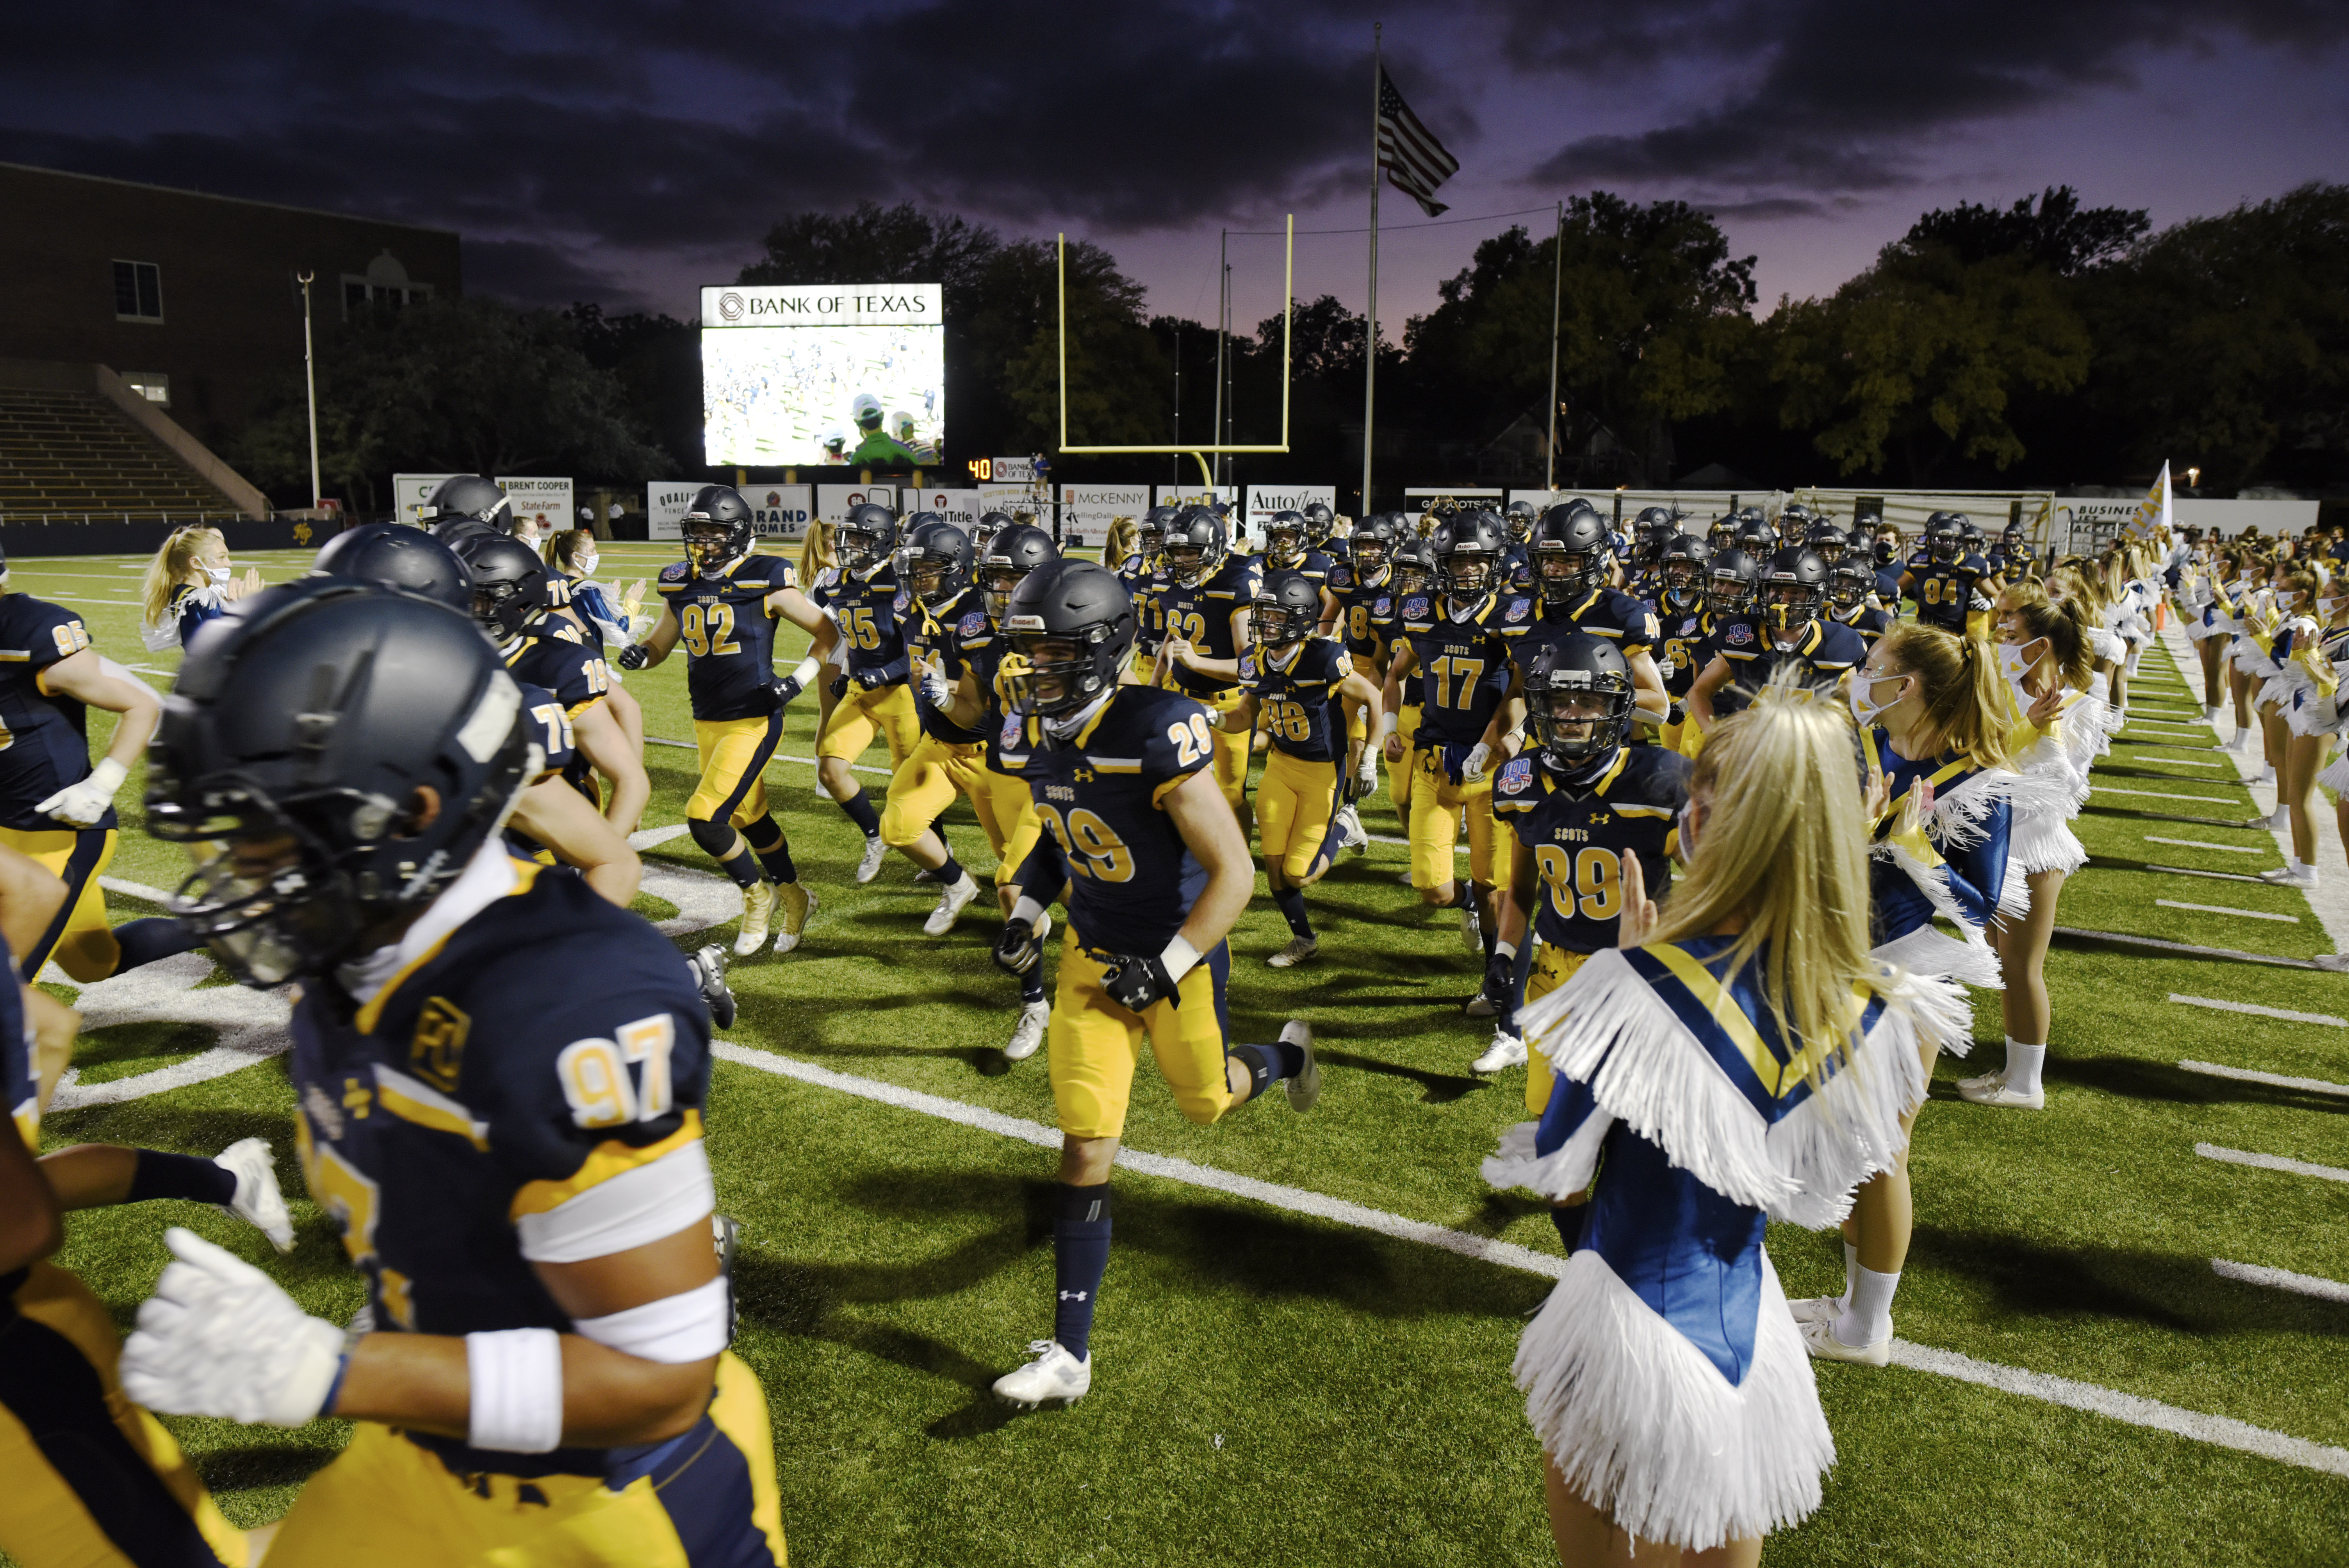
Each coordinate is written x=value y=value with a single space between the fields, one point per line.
x=1033 y=502
x=796 y=376
x=1086 y=511
x=833 y=502
x=778 y=511
x=549 y=503
x=959 y=506
x=1263 y=500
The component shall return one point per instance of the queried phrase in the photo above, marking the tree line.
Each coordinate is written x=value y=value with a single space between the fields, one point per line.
x=2043 y=343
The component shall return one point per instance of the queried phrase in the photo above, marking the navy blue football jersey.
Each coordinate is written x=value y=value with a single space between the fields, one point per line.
x=1297 y=704
x=1102 y=797
x=1944 y=590
x=44 y=738
x=1463 y=666
x=728 y=635
x=947 y=637
x=556 y=656
x=1869 y=621
x=1202 y=616
x=1364 y=604
x=874 y=611
x=1580 y=833
x=1683 y=647
x=477 y=1112
x=1313 y=565
x=1819 y=658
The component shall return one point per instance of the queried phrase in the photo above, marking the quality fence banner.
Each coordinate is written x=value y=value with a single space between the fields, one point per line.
x=959 y=506
x=777 y=511
x=1087 y=510
x=833 y=502
x=1263 y=500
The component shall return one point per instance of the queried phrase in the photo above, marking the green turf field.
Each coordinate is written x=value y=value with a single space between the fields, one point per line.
x=1275 y=1387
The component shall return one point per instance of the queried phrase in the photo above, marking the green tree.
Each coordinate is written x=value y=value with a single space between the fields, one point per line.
x=2051 y=229
x=461 y=384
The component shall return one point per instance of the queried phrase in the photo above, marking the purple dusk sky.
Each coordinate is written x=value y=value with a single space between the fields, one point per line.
x=627 y=152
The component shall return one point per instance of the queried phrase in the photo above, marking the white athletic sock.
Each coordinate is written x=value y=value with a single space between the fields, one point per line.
x=2023 y=1065
x=1868 y=1318
x=1850 y=1263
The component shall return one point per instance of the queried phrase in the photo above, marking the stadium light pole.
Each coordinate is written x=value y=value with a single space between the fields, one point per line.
x=310 y=385
x=1223 y=323
x=1557 y=304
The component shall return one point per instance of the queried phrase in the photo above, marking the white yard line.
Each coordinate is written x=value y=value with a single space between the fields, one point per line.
x=2175 y=762
x=2220 y=1431
x=2254 y=1008
x=2168 y=794
x=2215 y=876
x=2271 y=1162
x=2281 y=1279
x=2273 y=1080
x=2203 y=844
x=2224 y=909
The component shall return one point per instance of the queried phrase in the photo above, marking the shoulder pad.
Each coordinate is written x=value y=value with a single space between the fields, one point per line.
x=673 y=573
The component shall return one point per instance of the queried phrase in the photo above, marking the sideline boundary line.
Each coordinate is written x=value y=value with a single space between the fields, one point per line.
x=2220 y=1431
x=2271 y=1162
x=2273 y=1080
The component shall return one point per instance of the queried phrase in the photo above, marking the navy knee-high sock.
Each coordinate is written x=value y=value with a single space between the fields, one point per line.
x=1267 y=1065
x=1290 y=901
x=861 y=812
x=776 y=856
x=1080 y=1258
x=145 y=940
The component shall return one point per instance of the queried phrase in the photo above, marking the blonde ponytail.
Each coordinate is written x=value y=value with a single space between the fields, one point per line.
x=174 y=564
x=1965 y=707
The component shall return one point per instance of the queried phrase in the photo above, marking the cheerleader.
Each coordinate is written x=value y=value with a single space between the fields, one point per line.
x=1742 y=1059
x=189 y=581
x=573 y=554
x=1936 y=712
x=2044 y=654
x=2306 y=648
x=2292 y=595
x=2209 y=622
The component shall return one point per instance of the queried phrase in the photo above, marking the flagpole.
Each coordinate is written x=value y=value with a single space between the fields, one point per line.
x=1557 y=298
x=1223 y=325
x=1371 y=325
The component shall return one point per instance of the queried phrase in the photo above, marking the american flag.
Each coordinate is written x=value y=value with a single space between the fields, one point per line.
x=1414 y=160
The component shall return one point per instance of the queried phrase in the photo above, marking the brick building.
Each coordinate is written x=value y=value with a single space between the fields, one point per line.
x=192 y=298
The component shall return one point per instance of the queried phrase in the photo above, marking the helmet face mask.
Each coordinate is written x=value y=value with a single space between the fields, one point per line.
x=1287 y=610
x=1563 y=575
x=1850 y=585
x=1579 y=701
x=1465 y=574
x=717 y=529
x=1729 y=585
x=1284 y=540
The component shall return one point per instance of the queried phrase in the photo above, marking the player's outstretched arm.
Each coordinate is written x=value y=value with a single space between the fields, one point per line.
x=1212 y=835
x=803 y=611
x=559 y=816
x=1699 y=698
x=89 y=677
x=1648 y=693
x=604 y=745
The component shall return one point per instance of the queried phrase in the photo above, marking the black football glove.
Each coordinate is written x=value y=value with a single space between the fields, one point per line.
x=1135 y=981
x=786 y=688
x=870 y=678
x=1016 y=948
x=1500 y=979
x=632 y=656
x=839 y=688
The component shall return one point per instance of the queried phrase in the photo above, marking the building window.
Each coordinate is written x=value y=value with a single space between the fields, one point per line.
x=138 y=291
x=152 y=385
x=385 y=284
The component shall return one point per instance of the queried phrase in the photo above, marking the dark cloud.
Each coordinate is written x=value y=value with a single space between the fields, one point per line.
x=1851 y=96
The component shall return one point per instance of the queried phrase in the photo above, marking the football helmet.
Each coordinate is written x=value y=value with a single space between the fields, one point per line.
x=1570 y=552
x=1320 y=520
x=1684 y=560
x=1467 y=551
x=991 y=523
x=1287 y=610
x=333 y=757
x=868 y=536
x=397 y=557
x=510 y=585
x=936 y=559
x=1722 y=533
x=1577 y=700
x=467 y=496
x=1793 y=588
x=1731 y=578
x=1284 y=540
x=1373 y=544
x=1197 y=541
x=1826 y=539
x=1150 y=533
x=1945 y=538
x=1518 y=520
x=1071 y=626
x=1849 y=582
x=1016 y=549
x=718 y=529
x=1413 y=564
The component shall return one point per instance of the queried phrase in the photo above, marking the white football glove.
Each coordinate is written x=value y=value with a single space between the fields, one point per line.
x=1471 y=767
x=219 y=1338
x=81 y=805
x=935 y=689
x=1369 y=769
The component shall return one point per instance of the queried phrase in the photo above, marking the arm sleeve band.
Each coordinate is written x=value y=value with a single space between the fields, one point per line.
x=687 y=1326
x=1180 y=957
x=516 y=1393
x=805 y=673
x=636 y=1206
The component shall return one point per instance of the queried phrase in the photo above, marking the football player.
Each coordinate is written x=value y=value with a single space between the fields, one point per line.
x=947 y=624
x=1202 y=612
x=1327 y=533
x=1792 y=633
x=56 y=807
x=1287 y=547
x=1304 y=689
x=466 y=506
x=500 y=1083
x=1411 y=574
x=1569 y=566
x=1453 y=646
x=1851 y=599
x=871 y=608
x=1157 y=871
x=512 y=603
x=1951 y=578
x=1683 y=625
x=1143 y=575
x=1579 y=803
x=722 y=601
x=1517 y=534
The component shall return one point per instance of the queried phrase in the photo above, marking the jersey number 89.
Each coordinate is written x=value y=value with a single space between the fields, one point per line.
x=1591 y=879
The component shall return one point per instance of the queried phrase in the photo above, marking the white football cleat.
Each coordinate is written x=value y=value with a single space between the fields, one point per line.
x=875 y=851
x=1480 y=1007
x=1053 y=1375
x=1472 y=930
x=1817 y=1308
x=1404 y=879
x=258 y=1202
x=758 y=909
x=1298 y=950
x=951 y=903
x=1353 y=835
x=796 y=904
x=1306 y=1087
x=1030 y=1034
x=1819 y=1339
x=1506 y=1051
x=2000 y=1095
